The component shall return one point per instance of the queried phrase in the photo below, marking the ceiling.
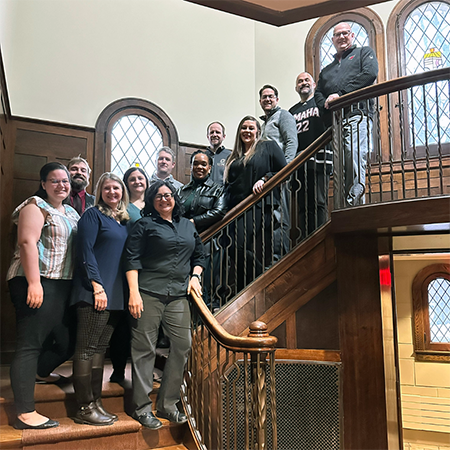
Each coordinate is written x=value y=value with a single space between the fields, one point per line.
x=283 y=12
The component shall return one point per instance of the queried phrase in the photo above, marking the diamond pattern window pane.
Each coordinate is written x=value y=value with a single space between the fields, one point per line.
x=327 y=50
x=439 y=310
x=134 y=142
x=427 y=46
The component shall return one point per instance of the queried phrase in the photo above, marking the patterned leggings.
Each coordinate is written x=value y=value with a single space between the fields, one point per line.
x=94 y=331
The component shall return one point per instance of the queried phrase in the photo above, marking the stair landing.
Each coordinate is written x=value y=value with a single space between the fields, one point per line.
x=58 y=403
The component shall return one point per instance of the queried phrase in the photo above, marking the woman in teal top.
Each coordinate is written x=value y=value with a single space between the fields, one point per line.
x=136 y=181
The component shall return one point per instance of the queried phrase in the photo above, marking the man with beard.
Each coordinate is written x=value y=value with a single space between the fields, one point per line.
x=79 y=179
x=313 y=195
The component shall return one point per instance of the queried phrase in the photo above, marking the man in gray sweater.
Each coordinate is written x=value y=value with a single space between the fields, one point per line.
x=278 y=124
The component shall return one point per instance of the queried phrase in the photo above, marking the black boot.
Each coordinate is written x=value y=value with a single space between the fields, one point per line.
x=87 y=413
x=97 y=382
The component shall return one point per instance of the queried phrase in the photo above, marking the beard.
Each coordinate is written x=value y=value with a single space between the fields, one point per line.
x=79 y=183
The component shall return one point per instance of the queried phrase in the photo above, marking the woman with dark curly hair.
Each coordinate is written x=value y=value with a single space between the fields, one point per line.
x=164 y=261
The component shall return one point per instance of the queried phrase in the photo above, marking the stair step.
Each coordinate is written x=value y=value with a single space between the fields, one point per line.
x=125 y=434
x=59 y=400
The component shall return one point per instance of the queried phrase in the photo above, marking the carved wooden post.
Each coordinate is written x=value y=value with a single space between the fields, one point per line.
x=259 y=389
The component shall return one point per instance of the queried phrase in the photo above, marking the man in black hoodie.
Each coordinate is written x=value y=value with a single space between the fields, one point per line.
x=353 y=68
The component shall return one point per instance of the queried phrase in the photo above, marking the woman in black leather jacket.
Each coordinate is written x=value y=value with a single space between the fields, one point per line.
x=202 y=198
x=204 y=205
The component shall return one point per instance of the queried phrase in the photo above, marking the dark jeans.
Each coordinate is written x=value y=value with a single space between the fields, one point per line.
x=45 y=337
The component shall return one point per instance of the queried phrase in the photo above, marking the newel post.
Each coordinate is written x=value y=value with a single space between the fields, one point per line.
x=260 y=384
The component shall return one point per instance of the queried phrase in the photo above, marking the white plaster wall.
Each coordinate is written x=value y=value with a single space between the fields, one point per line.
x=66 y=60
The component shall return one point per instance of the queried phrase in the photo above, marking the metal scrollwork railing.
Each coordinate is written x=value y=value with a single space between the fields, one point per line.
x=391 y=140
x=229 y=388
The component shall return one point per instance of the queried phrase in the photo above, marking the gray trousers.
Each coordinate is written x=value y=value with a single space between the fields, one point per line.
x=175 y=319
x=357 y=144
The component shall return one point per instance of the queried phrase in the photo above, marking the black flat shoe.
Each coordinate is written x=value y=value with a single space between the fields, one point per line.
x=148 y=420
x=58 y=381
x=19 y=425
x=175 y=416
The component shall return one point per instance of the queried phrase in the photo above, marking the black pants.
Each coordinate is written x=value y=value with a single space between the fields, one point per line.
x=45 y=337
x=312 y=199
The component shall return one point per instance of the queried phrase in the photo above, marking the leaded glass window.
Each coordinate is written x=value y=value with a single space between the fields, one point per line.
x=134 y=142
x=439 y=310
x=426 y=47
x=327 y=50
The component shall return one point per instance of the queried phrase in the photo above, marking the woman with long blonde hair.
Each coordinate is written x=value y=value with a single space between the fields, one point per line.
x=252 y=162
x=99 y=293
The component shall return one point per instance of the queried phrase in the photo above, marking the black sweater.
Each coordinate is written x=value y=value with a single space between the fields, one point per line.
x=357 y=68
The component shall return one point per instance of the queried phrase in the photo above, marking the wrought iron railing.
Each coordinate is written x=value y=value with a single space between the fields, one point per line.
x=263 y=228
x=229 y=387
x=402 y=128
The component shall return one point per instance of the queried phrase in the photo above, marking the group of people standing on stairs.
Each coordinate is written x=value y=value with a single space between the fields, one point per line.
x=132 y=259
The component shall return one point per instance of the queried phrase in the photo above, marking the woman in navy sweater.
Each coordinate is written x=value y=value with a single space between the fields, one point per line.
x=98 y=293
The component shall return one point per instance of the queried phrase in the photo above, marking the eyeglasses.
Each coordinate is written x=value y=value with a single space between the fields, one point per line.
x=271 y=97
x=166 y=197
x=343 y=33
x=56 y=182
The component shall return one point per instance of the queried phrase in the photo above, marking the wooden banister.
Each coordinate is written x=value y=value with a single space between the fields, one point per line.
x=257 y=341
x=387 y=87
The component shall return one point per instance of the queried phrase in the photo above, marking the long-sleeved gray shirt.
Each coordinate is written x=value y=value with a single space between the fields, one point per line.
x=279 y=126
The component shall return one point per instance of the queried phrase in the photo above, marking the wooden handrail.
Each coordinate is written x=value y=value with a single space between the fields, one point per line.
x=300 y=159
x=257 y=341
x=387 y=87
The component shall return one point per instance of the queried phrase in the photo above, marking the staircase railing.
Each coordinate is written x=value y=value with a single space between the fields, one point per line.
x=229 y=388
x=259 y=231
x=402 y=129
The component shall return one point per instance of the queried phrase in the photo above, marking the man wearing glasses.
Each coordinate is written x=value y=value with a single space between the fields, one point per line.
x=353 y=68
x=278 y=124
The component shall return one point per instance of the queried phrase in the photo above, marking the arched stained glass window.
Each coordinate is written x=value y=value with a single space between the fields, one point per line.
x=439 y=310
x=426 y=34
x=129 y=132
x=134 y=141
x=327 y=50
x=431 y=307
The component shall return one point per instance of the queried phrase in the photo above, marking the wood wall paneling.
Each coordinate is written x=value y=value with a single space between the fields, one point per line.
x=7 y=135
x=30 y=145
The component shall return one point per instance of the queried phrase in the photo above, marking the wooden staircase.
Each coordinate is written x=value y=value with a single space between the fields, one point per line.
x=58 y=402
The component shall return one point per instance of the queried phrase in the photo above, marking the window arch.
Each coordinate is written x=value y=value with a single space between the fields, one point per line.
x=403 y=33
x=418 y=39
x=431 y=313
x=129 y=131
x=369 y=30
